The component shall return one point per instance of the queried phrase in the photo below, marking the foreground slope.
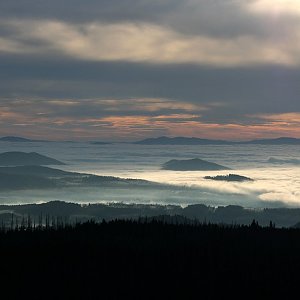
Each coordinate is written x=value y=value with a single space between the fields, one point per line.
x=16 y=158
x=39 y=177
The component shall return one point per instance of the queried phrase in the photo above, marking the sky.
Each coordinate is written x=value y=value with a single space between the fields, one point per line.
x=116 y=70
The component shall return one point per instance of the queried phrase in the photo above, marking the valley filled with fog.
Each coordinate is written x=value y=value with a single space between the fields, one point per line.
x=273 y=168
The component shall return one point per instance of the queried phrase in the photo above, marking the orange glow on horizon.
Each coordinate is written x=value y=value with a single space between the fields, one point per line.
x=136 y=127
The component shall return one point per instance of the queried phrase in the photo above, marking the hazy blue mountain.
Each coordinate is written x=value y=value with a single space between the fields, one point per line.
x=194 y=164
x=278 y=161
x=17 y=158
x=163 y=140
x=17 y=139
x=229 y=177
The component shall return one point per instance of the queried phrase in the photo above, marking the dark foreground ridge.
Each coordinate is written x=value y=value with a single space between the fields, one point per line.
x=149 y=260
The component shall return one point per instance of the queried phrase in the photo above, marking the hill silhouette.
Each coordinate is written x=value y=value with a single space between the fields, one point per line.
x=16 y=158
x=199 y=213
x=17 y=139
x=194 y=164
x=229 y=177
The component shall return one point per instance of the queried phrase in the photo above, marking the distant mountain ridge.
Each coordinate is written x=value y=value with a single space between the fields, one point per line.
x=163 y=140
x=277 y=141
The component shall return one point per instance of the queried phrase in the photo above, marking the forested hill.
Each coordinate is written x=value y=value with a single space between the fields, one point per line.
x=72 y=212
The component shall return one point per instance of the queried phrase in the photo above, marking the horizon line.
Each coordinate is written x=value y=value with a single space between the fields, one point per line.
x=96 y=140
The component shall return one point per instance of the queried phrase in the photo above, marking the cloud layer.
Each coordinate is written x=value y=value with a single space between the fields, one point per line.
x=222 y=68
x=144 y=42
x=132 y=119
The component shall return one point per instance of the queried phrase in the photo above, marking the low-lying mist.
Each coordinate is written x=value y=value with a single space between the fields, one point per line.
x=173 y=195
x=274 y=184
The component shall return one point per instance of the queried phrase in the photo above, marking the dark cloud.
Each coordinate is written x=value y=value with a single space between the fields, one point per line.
x=223 y=18
x=233 y=93
x=89 y=10
x=257 y=73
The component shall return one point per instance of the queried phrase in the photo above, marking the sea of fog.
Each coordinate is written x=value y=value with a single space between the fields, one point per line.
x=274 y=185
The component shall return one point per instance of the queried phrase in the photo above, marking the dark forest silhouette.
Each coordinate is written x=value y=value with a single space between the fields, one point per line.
x=72 y=212
x=148 y=258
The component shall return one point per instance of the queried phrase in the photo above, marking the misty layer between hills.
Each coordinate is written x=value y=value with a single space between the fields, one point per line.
x=40 y=183
x=278 y=161
x=40 y=177
x=272 y=187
